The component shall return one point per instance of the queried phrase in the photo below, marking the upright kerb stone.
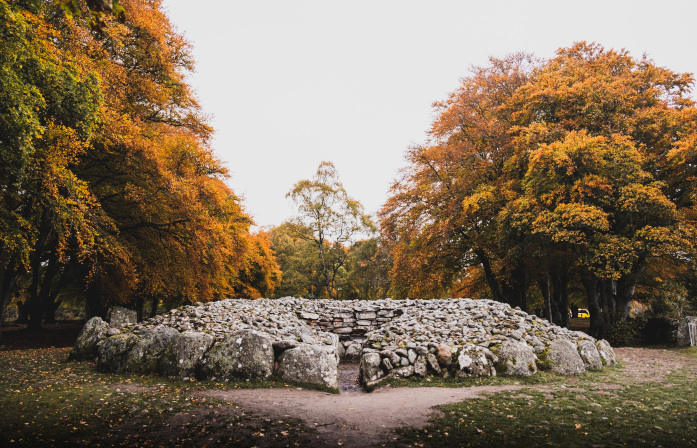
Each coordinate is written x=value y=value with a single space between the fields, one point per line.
x=244 y=354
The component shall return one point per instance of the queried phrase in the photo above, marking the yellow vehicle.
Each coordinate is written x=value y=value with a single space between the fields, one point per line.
x=583 y=313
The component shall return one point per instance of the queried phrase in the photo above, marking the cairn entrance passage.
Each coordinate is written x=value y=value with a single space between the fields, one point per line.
x=303 y=340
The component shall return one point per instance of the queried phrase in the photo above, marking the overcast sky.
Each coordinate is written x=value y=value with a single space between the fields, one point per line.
x=289 y=84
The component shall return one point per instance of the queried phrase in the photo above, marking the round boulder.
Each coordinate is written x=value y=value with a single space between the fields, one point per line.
x=111 y=352
x=243 y=354
x=444 y=355
x=184 y=355
x=516 y=358
x=474 y=361
x=310 y=364
x=563 y=358
x=589 y=355
x=607 y=354
x=94 y=331
x=145 y=355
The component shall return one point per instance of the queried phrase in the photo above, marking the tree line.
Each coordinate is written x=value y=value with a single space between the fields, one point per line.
x=108 y=186
x=547 y=178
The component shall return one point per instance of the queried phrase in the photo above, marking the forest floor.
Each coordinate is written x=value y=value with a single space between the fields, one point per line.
x=649 y=400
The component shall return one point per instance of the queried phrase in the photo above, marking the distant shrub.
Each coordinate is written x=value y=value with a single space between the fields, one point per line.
x=627 y=332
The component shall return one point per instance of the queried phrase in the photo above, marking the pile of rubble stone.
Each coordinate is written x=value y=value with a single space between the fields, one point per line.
x=302 y=340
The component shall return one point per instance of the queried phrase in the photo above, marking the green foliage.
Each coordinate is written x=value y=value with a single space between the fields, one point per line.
x=627 y=332
x=364 y=275
x=329 y=218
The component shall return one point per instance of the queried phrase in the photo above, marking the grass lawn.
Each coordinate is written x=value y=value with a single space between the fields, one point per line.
x=48 y=402
x=601 y=409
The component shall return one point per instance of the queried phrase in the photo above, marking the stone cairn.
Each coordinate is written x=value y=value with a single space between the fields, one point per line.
x=303 y=340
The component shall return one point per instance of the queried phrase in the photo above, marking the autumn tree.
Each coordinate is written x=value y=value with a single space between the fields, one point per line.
x=49 y=111
x=297 y=258
x=110 y=182
x=329 y=218
x=540 y=172
x=367 y=271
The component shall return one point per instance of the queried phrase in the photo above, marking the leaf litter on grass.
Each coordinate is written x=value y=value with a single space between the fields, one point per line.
x=47 y=402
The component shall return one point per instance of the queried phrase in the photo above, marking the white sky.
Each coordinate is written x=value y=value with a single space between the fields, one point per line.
x=291 y=83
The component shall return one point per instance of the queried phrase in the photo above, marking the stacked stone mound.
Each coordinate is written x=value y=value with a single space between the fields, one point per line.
x=471 y=338
x=303 y=340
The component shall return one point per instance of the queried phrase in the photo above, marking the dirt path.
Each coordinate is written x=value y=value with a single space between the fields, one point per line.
x=358 y=419
x=353 y=419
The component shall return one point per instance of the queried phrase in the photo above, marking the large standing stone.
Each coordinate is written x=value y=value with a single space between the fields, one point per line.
x=472 y=361
x=183 y=357
x=684 y=337
x=607 y=354
x=516 y=358
x=244 y=354
x=111 y=352
x=86 y=345
x=310 y=364
x=370 y=368
x=563 y=358
x=122 y=317
x=145 y=355
x=589 y=355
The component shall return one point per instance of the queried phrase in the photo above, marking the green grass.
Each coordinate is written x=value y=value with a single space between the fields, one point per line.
x=46 y=401
x=600 y=409
x=540 y=378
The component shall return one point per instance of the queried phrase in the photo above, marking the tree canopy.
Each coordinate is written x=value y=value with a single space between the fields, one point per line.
x=329 y=218
x=539 y=172
x=108 y=181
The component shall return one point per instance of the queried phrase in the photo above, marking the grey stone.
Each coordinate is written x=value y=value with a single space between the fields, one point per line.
x=472 y=361
x=563 y=358
x=369 y=370
x=387 y=364
x=607 y=354
x=433 y=363
x=94 y=331
x=111 y=352
x=122 y=317
x=353 y=351
x=403 y=372
x=244 y=354
x=395 y=359
x=183 y=357
x=420 y=366
x=589 y=355
x=516 y=358
x=312 y=364
x=145 y=355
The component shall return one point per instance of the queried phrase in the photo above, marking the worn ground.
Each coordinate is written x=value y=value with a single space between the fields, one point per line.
x=48 y=402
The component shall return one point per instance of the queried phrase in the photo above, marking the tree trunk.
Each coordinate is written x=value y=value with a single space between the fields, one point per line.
x=36 y=307
x=153 y=307
x=596 y=294
x=94 y=304
x=50 y=272
x=546 y=292
x=8 y=280
x=490 y=276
